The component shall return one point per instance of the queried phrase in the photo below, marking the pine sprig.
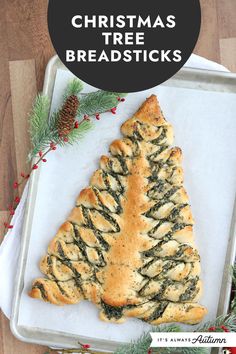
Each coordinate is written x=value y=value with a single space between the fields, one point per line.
x=233 y=274
x=120 y=94
x=192 y=350
x=98 y=102
x=39 y=128
x=44 y=129
x=73 y=88
x=78 y=134
x=228 y=321
x=142 y=345
x=61 y=127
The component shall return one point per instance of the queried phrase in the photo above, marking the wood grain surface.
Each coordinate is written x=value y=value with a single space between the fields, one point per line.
x=25 y=49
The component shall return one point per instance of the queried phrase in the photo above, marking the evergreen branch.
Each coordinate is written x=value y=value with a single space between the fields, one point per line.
x=38 y=119
x=97 y=102
x=74 y=88
x=233 y=274
x=120 y=94
x=233 y=304
x=142 y=345
x=72 y=351
x=77 y=134
x=228 y=321
x=52 y=136
x=44 y=129
x=176 y=350
x=42 y=137
x=192 y=350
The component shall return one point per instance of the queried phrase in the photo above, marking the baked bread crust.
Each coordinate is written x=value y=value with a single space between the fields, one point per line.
x=128 y=244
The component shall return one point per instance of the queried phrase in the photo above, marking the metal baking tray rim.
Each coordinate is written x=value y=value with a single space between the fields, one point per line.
x=67 y=340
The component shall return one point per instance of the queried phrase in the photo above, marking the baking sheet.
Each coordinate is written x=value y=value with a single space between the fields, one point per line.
x=205 y=129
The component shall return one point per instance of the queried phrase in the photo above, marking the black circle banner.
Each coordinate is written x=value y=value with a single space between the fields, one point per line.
x=124 y=45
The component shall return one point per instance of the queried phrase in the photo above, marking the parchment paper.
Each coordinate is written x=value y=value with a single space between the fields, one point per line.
x=205 y=129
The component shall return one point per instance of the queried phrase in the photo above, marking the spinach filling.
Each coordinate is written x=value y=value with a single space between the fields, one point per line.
x=191 y=291
x=61 y=289
x=114 y=196
x=158 y=312
x=178 y=227
x=158 y=152
x=158 y=140
x=110 y=220
x=159 y=187
x=102 y=242
x=112 y=311
x=155 y=208
x=170 y=193
x=166 y=267
x=122 y=162
x=175 y=212
x=137 y=135
x=41 y=289
x=60 y=251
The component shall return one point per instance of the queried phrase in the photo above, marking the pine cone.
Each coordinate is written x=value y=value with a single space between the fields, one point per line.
x=67 y=115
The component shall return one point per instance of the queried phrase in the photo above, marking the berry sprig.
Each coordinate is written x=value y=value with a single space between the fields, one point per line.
x=83 y=348
x=64 y=127
x=112 y=110
x=218 y=329
x=24 y=177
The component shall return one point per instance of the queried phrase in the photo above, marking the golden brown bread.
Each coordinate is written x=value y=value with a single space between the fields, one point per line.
x=128 y=244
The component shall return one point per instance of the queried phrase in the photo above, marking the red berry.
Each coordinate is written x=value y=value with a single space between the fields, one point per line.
x=123 y=100
x=97 y=116
x=22 y=175
x=15 y=185
x=76 y=126
x=40 y=154
x=225 y=329
x=35 y=167
x=118 y=98
x=113 y=110
x=86 y=346
x=86 y=117
x=17 y=200
x=44 y=160
x=8 y=226
x=52 y=146
x=12 y=212
x=28 y=176
x=211 y=329
x=149 y=351
x=231 y=350
x=66 y=140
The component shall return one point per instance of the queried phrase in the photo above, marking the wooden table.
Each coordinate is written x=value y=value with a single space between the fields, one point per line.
x=25 y=50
